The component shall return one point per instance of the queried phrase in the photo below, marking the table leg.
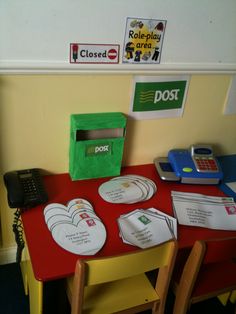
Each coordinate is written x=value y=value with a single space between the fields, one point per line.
x=228 y=296
x=23 y=266
x=224 y=297
x=32 y=287
x=35 y=291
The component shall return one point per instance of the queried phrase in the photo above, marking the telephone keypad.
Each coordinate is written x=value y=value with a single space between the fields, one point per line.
x=30 y=188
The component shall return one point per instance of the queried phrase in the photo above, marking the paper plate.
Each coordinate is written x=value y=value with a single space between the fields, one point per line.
x=83 y=214
x=142 y=186
x=151 y=184
x=120 y=191
x=53 y=220
x=89 y=222
x=75 y=209
x=76 y=227
x=79 y=202
x=127 y=189
x=56 y=211
x=52 y=206
x=80 y=239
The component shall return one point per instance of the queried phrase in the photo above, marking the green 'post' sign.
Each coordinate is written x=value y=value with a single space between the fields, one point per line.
x=150 y=96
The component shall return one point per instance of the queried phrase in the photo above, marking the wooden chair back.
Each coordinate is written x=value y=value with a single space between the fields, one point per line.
x=210 y=270
x=119 y=283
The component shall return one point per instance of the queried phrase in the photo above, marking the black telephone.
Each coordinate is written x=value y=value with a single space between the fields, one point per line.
x=25 y=188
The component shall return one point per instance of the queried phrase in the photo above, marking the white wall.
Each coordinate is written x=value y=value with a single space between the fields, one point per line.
x=36 y=34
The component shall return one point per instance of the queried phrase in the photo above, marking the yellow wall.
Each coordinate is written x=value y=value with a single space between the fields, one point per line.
x=35 y=111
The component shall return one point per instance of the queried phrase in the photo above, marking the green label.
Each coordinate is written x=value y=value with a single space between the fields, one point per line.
x=151 y=96
x=144 y=220
x=101 y=149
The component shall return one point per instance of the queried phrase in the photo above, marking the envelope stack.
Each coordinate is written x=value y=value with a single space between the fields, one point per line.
x=147 y=227
x=207 y=211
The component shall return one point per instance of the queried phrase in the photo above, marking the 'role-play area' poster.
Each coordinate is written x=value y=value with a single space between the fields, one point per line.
x=143 y=40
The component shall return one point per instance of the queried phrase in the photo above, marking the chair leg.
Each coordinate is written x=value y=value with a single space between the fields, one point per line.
x=155 y=308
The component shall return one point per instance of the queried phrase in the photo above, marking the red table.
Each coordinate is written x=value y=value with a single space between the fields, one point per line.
x=50 y=261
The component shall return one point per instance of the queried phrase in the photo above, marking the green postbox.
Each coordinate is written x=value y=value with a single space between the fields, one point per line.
x=96 y=145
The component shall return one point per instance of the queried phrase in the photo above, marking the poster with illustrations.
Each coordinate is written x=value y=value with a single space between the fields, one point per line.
x=143 y=40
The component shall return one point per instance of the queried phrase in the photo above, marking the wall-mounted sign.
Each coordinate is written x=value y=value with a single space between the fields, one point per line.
x=143 y=40
x=230 y=103
x=94 y=53
x=159 y=97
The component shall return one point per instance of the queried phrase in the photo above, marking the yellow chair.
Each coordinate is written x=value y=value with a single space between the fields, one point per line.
x=119 y=284
x=210 y=270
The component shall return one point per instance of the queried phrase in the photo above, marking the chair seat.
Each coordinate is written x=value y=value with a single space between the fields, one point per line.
x=117 y=295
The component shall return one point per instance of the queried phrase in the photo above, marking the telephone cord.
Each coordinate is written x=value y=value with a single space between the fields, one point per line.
x=18 y=231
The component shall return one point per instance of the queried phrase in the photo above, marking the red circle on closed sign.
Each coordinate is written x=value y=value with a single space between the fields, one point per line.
x=112 y=54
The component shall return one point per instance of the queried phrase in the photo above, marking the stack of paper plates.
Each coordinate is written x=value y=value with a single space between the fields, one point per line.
x=76 y=227
x=127 y=189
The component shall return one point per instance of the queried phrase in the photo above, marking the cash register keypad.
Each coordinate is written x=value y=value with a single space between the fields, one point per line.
x=206 y=164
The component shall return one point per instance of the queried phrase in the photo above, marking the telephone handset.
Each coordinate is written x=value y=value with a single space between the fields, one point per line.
x=25 y=188
x=196 y=165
